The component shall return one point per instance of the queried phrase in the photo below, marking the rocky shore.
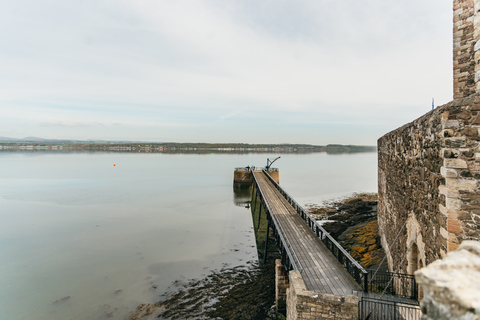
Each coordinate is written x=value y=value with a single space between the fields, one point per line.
x=353 y=223
x=248 y=292
x=231 y=293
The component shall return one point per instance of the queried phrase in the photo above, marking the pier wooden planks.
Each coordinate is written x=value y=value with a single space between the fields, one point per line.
x=320 y=269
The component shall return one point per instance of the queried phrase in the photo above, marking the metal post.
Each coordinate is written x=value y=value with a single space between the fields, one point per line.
x=266 y=242
x=260 y=213
x=415 y=289
x=365 y=282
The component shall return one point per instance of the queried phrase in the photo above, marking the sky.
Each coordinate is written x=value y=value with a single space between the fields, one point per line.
x=226 y=71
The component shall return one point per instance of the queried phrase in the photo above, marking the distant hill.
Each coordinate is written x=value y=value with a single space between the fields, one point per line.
x=60 y=141
x=35 y=143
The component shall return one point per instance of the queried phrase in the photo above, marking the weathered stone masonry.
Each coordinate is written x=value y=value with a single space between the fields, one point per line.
x=308 y=305
x=429 y=172
x=452 y=285
x=466 y=47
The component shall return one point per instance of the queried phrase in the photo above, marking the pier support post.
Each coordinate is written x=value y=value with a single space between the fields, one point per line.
x=259 y=214
x=266 y=242
x=281 y=285
x=255 y=204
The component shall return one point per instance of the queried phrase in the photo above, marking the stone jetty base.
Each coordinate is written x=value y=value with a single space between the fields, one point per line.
x=301 y=304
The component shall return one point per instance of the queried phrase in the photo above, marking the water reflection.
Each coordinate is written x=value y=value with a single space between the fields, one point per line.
x=242 y=197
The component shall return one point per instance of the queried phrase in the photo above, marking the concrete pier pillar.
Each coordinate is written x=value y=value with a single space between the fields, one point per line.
x=275 y=175
x=242 y=178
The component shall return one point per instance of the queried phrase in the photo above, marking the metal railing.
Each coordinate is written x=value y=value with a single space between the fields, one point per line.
x=376 y=309
x=242 y=169
x=256 y=168
x=403 y=285
x=351 y=265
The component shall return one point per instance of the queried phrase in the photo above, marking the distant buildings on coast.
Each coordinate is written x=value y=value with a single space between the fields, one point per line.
x=181 y=147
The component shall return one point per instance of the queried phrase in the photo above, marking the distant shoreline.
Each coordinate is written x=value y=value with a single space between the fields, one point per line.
x=179 y=147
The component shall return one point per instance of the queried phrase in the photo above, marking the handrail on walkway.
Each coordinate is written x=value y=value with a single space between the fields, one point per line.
x=351 y=265
x=278 y=227
x=250 y=169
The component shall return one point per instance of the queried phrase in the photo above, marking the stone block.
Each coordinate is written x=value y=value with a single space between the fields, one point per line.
x=444 y=232
x=455 y=163
x=454 y=226
x=475 y=120
x=452 y=214
x=443 y=210
x=452 y=237
x=457 y=142
x=453 y=203
x=451 y=246
x=464 y=215
x=461 y=184
x=471 y=132
x=448 y=192
x=449 y=172
x=451 y=124
x=476 y=48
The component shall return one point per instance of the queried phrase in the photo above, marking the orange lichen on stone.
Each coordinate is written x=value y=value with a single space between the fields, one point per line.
x=361 y=242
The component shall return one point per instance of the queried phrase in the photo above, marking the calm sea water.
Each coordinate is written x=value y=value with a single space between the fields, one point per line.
x=100 y=239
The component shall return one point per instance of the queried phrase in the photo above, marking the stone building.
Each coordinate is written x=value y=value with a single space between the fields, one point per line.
x=429 y=169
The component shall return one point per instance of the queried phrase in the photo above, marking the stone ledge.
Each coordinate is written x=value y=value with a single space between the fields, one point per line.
x=304 y=304
x=452 y=285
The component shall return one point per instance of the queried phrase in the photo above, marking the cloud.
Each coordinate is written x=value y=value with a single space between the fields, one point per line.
x=66 y=124
x=191 y=63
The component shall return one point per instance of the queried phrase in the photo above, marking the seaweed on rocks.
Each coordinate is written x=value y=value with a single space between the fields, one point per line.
x=230 y=293
x=342 y=214
x=353 y=223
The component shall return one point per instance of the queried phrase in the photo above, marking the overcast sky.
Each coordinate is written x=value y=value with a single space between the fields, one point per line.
x=254 y=71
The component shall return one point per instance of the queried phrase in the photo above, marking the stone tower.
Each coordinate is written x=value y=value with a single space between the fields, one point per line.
x=466 y=47
x=429 y=169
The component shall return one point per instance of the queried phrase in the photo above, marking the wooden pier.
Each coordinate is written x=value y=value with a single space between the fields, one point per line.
x=320 y=269
x=324 y=281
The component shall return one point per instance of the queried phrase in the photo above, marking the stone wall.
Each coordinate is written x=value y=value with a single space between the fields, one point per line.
x=464 y=55
x=452 y=286
x=429 y=172
x=304 y=304
x=281 y=285
x=466 y=47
